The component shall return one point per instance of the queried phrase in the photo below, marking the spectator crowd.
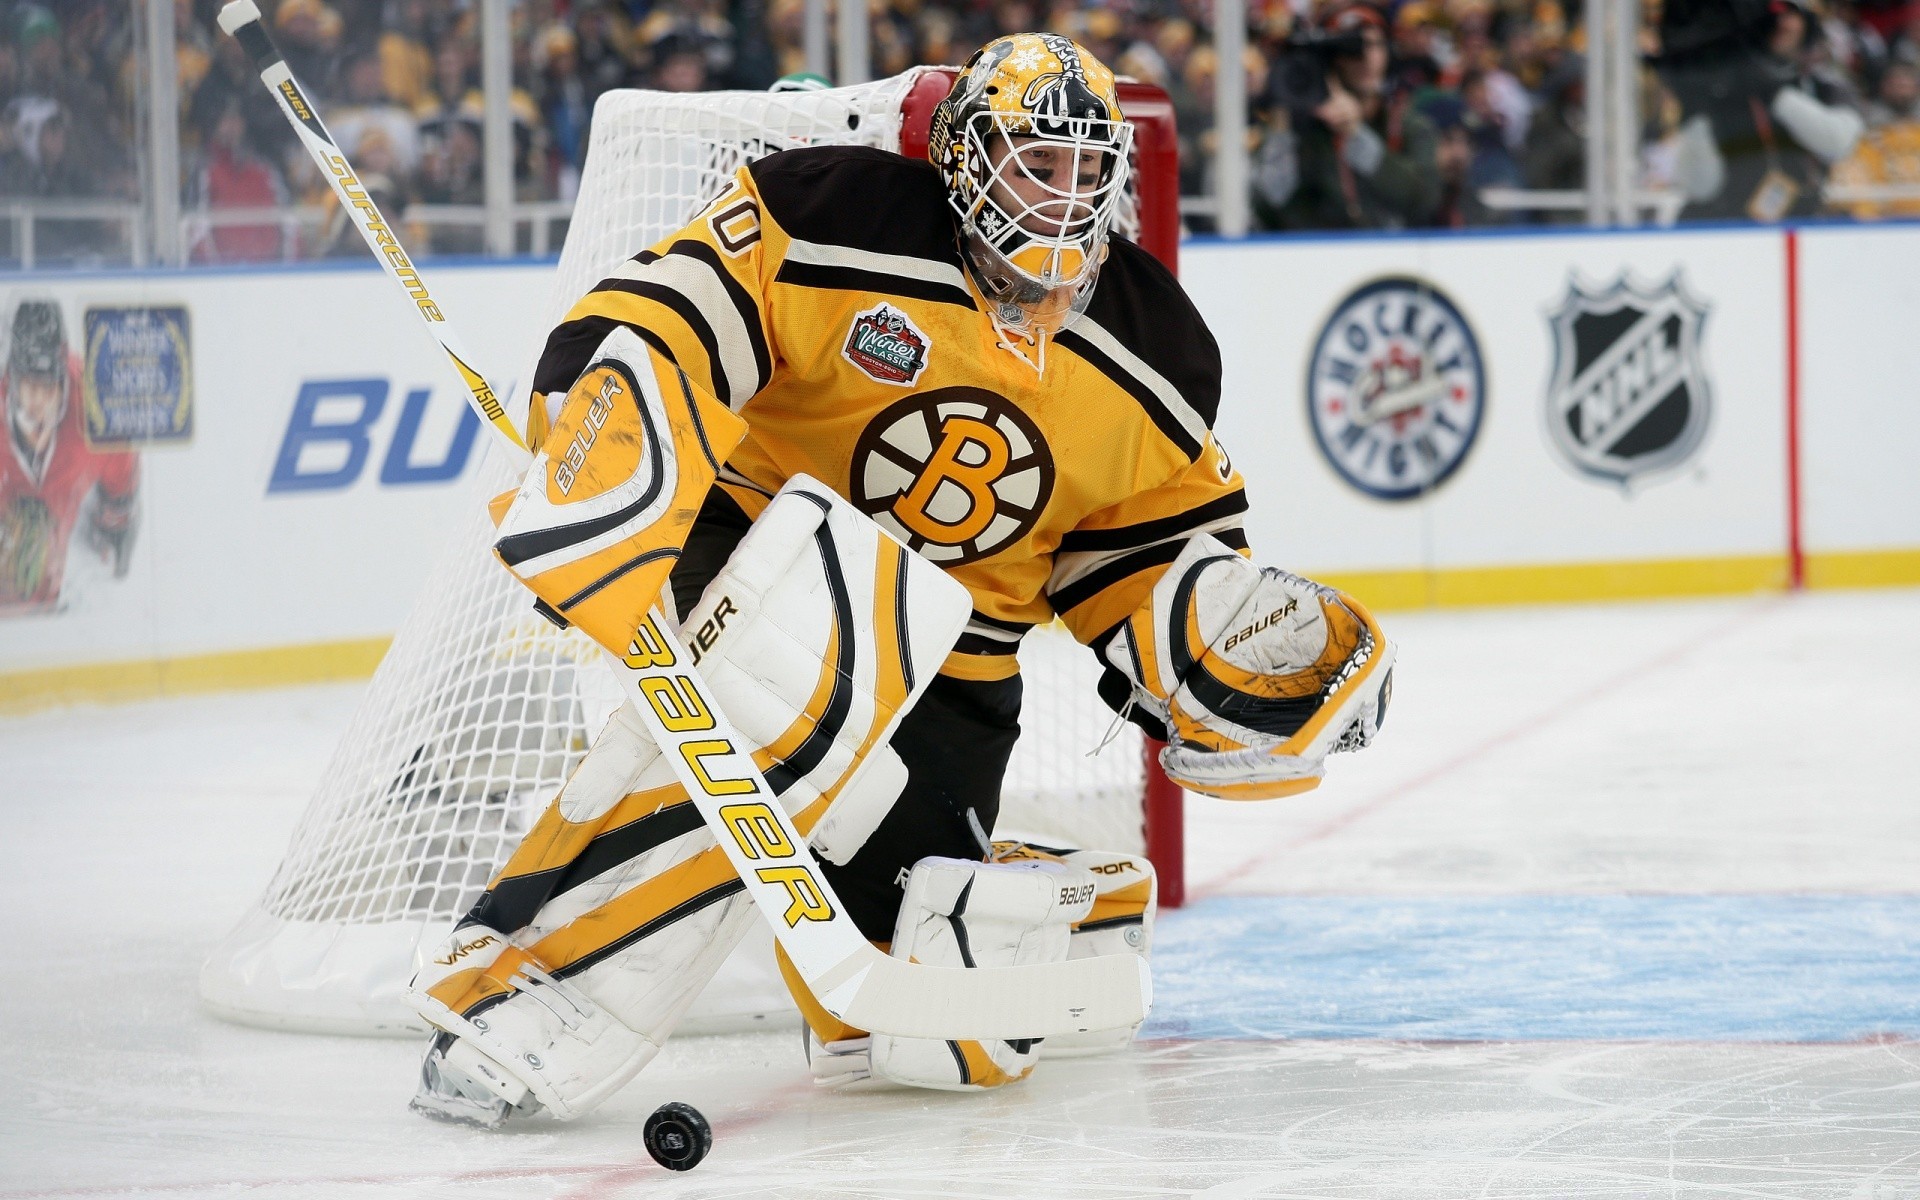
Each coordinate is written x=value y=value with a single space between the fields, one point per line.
x=1393 y=115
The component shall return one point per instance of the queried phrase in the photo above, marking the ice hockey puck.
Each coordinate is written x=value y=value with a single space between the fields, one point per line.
x=677 y=1136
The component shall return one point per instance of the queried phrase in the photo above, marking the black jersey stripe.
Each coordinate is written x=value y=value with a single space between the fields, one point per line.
x=1094 y=582
x=689 y=313
x=1126 y=537
x=856 y=279
x=573 y=343
x=1163 y=420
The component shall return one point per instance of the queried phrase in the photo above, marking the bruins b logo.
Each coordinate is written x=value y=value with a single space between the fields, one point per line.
x=957 y=473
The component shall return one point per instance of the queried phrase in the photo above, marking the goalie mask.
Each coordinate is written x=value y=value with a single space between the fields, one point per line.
x=1033 y=150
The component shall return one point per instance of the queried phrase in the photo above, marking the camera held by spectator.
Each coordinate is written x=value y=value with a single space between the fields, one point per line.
x=1307 y=62
x=1343 y=150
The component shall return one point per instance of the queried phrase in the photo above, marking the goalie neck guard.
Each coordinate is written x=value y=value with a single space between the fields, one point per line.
x=1033 y=149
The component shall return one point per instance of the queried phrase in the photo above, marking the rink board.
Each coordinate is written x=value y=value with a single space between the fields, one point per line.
x=287 y=530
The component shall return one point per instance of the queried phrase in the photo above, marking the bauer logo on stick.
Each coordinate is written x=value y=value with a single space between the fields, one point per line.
x=1629 y=398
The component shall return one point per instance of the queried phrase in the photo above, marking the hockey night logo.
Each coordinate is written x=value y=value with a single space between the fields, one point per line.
x=1629 y=396
x=887 y=346
x=1395 y=388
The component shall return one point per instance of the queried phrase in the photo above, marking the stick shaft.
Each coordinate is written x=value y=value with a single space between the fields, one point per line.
x=241 y=18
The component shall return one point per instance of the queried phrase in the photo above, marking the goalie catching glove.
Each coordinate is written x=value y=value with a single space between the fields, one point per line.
x=1256 y=675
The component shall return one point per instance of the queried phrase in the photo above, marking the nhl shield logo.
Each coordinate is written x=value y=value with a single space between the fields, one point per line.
x=1629 y=396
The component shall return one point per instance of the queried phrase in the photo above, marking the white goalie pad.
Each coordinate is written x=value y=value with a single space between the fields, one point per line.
x=580 y=997
x=1125 y=901
x=550 y=1040
x=834 y=630
x=1258 y=674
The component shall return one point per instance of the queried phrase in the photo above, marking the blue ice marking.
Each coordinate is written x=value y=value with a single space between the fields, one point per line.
x=1801 y=968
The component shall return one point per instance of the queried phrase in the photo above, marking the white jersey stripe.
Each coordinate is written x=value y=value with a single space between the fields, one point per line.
x=737 y=373
x=1072 y=566
x=821 y=254
x=1168 y=395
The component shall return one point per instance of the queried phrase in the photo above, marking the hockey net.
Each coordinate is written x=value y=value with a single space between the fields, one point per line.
x=481 y=709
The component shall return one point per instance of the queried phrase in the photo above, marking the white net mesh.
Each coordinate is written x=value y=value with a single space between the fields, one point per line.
x=481 y=709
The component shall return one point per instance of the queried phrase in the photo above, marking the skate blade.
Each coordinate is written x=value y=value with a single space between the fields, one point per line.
x=461 y=1110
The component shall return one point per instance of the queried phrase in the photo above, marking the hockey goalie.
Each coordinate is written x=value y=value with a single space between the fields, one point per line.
x=857 y=427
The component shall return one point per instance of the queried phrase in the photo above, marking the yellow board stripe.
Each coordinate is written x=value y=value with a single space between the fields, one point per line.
x=1863 y=568
x=1567 y=583
x=229 y=670
x=282 y=666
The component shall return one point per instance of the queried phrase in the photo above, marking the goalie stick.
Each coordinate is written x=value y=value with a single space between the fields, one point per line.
x=851 y=979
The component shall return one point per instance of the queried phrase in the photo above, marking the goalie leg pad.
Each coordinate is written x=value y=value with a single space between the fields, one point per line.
x=959 y=913
x=621 y=905
x=1120 y=922
x=1257 y=674
x=547 y=1038
x=832 y=631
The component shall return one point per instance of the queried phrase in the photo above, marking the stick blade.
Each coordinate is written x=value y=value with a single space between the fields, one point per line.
x=1044 y=1000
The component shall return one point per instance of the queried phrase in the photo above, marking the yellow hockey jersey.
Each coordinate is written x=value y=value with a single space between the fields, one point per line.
x=823 y=297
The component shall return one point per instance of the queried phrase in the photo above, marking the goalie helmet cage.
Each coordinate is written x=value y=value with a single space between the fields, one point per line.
x=481 y=709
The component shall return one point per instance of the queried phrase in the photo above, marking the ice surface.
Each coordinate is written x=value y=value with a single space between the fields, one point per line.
x=1623 y=904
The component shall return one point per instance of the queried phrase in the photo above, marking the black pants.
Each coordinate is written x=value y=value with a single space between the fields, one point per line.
x=955 y=743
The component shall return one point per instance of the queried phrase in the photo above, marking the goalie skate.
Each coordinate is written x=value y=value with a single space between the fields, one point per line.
x=460 y=1086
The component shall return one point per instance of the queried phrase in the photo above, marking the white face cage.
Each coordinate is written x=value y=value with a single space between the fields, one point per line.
x=1040 y=229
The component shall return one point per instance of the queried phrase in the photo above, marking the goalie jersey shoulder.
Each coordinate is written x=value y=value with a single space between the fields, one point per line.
x=859 y=198
x=1144 y=333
